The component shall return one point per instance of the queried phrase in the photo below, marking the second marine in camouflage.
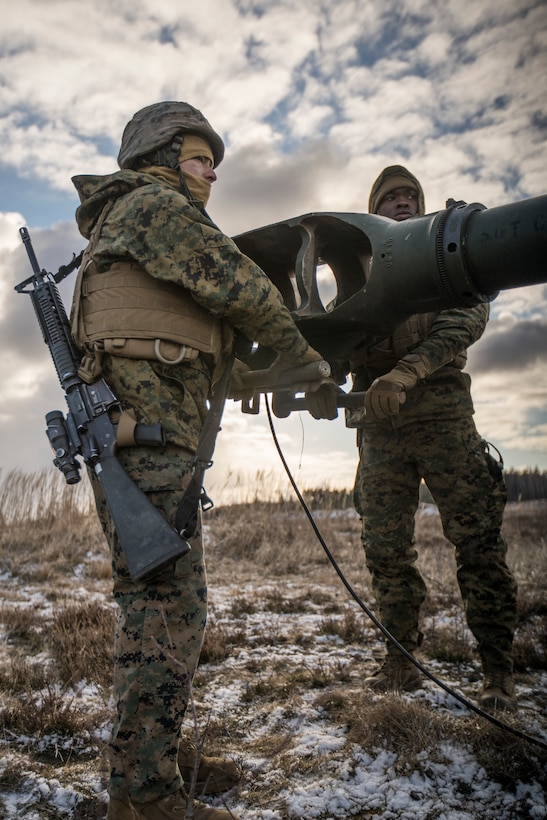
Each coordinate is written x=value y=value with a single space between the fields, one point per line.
x=418 y=423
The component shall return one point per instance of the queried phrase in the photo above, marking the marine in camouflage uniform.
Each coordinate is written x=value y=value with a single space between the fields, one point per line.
x=417 y=424
x=152 y=242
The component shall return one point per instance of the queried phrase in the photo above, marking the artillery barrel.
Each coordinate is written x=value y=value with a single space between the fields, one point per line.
x=459 y=257
x=385 y=271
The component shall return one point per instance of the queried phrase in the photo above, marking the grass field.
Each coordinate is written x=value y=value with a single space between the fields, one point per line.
x=279 y=684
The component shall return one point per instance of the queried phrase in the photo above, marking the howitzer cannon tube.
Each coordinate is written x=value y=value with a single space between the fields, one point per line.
x=466 y=254
x=386 y=270
x=505 y=247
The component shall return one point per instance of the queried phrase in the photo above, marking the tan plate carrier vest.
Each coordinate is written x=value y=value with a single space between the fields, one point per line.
x=383 y=356
x=126 y=312
x=403 y=340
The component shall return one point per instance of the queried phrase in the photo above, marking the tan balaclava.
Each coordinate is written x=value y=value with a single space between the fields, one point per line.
x=394 y=176
x=194 y=146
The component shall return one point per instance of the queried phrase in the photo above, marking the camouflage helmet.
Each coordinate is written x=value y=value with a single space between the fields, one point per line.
x=156 y=125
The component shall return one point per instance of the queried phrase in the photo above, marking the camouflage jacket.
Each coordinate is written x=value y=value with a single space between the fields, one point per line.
x=153 y=224
x=159 y=228
x=445 y=393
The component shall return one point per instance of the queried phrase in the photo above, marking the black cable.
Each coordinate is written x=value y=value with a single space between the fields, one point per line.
x=373 y=617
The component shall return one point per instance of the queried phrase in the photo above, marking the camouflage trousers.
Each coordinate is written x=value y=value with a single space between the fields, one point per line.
x=158 y=640
x=161 y=620
x=450 y=456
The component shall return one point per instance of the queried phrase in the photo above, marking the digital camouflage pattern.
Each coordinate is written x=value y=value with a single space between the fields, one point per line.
x=157 y=226
x=176 y=395
x=156 y=125
x=446 y=391
x=434 y=437
x=161 y=620
x=450 y=455
x=158 y=640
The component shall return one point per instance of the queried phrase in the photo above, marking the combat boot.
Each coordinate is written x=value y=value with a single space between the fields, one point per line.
x=175 y=807
x=396 y=673
x=498 y=690
x=119 y=810
x=214 y=774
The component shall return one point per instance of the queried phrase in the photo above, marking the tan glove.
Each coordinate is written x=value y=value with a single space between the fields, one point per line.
x=237 y=391
x=321 y=397
x=287 y=361
x=244 y=381
x=386 y=394
x=321 y=392
x=322 y=401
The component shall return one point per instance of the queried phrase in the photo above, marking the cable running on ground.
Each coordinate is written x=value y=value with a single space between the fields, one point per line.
x=469 y=704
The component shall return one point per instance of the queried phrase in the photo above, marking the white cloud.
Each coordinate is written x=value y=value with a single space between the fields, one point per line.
x=9 y=225
x=313 y=100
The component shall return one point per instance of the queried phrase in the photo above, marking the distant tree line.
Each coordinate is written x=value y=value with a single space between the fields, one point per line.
x=529 y=486
x=521 y=486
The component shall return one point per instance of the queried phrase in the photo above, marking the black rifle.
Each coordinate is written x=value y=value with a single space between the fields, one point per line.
x=90 y=431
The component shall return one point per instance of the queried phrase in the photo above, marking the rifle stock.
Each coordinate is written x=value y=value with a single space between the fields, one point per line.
x=149 y=542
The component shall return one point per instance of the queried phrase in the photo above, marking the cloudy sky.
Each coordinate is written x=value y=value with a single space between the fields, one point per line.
x=313 y=99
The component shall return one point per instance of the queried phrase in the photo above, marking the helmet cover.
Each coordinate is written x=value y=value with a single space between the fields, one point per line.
x=156 y=125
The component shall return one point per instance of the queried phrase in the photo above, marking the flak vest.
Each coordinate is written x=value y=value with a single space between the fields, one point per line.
x=382 y=357
x=376 y=360
x=124 y=311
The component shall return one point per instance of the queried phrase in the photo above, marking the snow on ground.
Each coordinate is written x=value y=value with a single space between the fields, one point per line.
x=345 y=782
x=353 y=783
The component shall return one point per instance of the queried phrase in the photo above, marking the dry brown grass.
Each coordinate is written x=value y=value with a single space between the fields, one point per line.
x=279 y=590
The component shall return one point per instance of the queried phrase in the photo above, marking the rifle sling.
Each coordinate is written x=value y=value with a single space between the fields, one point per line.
x=187 y=511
